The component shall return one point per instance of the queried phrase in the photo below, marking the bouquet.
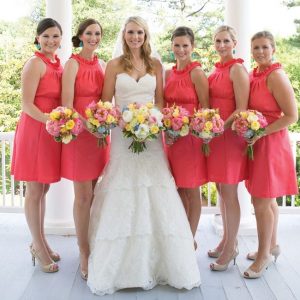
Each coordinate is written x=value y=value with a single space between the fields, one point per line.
x=206 y=124
x=64 y=124
x=141 y=123
x=249 y=124
x=175 y=121
x=101 y=118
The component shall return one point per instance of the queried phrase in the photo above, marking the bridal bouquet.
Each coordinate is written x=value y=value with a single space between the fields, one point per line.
x=249 y=124
x=141 y=123
x=101 y=118
x=64 y=124
x=206 y=124
x=175 y=121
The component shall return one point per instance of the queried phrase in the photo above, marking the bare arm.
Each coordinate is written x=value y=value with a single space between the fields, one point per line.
x=201 y=86
x=159 y=94
x=68 y=82
x=111 y=72
x=32 y=72
x=241 y=88
x=281 y=88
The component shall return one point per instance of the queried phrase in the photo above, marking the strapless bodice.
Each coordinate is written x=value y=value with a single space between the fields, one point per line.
x=129 y=90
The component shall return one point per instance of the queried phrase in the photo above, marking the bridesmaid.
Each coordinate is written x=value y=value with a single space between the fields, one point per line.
x=187 y=86
x=82 y=160
x=272 y=94
x=228 y=91
x=36 y=156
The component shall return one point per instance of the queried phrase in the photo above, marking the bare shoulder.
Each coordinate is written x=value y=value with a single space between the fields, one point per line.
x=34 y=65
x=71 y=64
x=276 y=75
x=157 y=64
x=197 y=72
x=167 y=73
x=238 y=68
x=114 y=66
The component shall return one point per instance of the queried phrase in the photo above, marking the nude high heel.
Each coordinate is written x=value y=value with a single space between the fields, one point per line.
x=54 y=255
x=275 y=251
x=218 y=267
x=250 y=274
x=50 y=268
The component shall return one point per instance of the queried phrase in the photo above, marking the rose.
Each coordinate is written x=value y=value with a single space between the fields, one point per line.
x=127 y=115
x=78 y=127
x=142 y=132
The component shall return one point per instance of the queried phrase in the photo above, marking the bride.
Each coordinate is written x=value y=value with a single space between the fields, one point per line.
x=139 y=233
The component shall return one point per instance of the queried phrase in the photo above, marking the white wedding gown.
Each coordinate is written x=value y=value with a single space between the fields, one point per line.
x=139 y=232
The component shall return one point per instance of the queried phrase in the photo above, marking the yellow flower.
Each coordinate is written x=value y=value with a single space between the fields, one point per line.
x=244 y=114
x=140 y=118
x=70 y=124
x=149 y=105
x=167 y=123
x=131 y=106
x=75 y=115
x=208 y=126
x=88 y=113
x=128 y=127
x=94 y=122
x=110 y=119
x=184 y=130
x=107 y=105
x=176 y=113
x=154 y=129
x=255 y=125
x=185 y=120
x=63 y=129
x=55 y=115
x=68 y=112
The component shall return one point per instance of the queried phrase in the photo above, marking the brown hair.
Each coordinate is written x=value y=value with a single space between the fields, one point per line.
x=81 y=28
x=146 y=48
x=43 y=25
x=183 y=31
x=264 y=34
x=228 y=29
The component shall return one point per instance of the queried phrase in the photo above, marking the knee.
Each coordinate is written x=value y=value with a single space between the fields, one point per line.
x=84 y=199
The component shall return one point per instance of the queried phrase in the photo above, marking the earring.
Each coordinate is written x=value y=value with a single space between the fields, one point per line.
x=38 y=46
x=81 y=44
x=59 y=47
x=233 y=51
x=194 y=55
x=172 y=56
x=273 y=58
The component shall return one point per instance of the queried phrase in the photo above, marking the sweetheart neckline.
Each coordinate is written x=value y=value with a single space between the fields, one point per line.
x=136 y=81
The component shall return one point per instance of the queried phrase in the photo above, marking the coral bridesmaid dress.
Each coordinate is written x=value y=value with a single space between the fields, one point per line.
x=272 y=172
x=36 y=156
x=82 y=159
x=227 y=162
x=186 y=159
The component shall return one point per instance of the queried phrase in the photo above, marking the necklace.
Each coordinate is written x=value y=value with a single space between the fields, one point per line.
x=139 y=69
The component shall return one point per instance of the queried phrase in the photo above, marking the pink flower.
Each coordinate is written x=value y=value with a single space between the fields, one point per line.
x=53 y=128
x=101 y=115
x=241 y=126
x=78 y=127
x=176 y=123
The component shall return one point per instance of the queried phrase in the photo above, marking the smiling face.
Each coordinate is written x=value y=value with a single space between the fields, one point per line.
x=182 y=48
x=262 y=51
x=50 y=40
x=91 y=37
x=224 y=44
x=134 y=35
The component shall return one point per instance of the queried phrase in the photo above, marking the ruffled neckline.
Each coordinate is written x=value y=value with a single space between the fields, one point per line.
x=187 y=68
x=84 y=60
x=47 y=60
x=267 y=70
x=228 y=63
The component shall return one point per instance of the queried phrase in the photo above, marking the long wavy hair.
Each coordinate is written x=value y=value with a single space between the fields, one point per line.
x=145 y=50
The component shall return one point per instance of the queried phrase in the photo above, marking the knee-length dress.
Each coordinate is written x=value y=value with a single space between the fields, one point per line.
x=227 y=162
x=82 y=159
x=272 y=172
x=188 y=164
x=36 y=155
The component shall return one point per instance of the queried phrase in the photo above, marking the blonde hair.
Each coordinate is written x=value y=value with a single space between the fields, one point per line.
x=146 y=48
x=228 y=29
x=264 y=34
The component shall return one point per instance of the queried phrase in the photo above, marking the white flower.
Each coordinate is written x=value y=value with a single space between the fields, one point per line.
x=252 y=117
x=142 y=132
x=67 y=138
x=184 y=130
x=157 y=114
x=205 y=135
x=127 y=115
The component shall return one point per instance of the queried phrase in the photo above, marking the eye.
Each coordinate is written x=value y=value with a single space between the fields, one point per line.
x=45 y=35
x=130 y=31
x=140 y=32
x=98 y=33
x=218 y=41
x=226 y=41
